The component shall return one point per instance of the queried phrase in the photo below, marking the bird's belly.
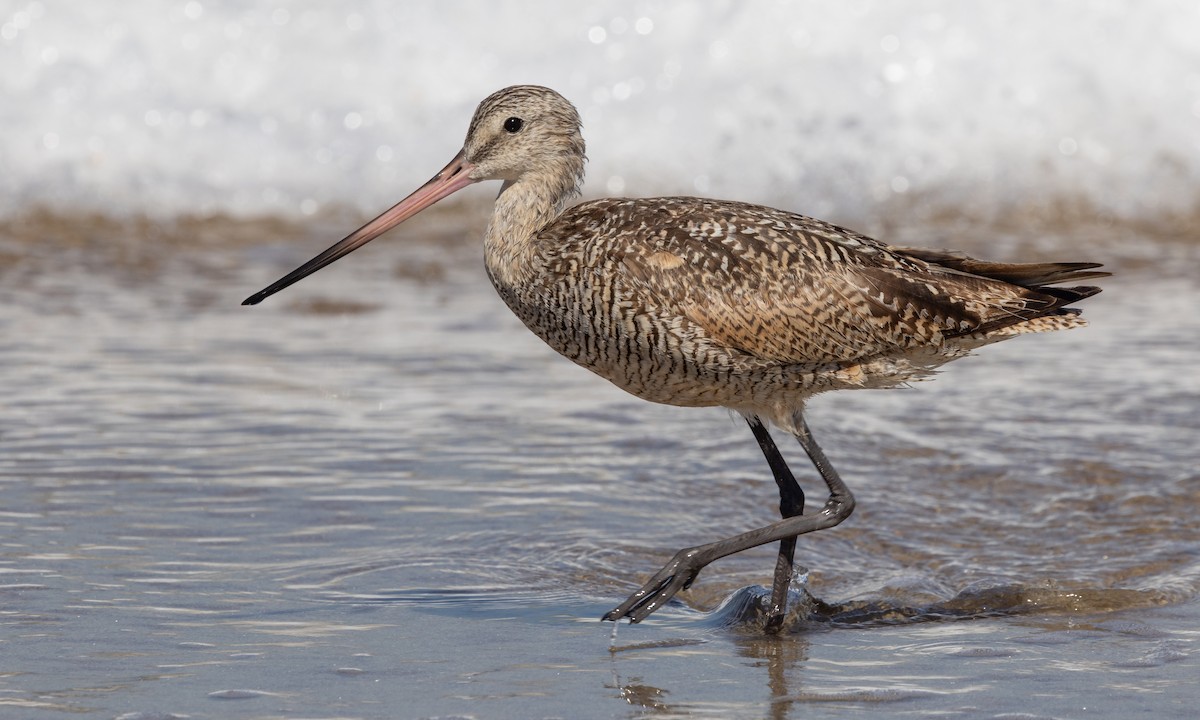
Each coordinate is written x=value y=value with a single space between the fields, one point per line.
x=660 y=356
x=654 y=355
x=664 y=375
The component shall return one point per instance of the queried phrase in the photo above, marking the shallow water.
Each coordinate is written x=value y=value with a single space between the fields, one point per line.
x=378 y=496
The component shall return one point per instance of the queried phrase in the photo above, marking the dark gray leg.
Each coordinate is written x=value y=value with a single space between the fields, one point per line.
x=791 y=504
x=687 y=563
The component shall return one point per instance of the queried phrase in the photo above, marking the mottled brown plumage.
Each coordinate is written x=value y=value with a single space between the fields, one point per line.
x=721 y=303
x=697 y=302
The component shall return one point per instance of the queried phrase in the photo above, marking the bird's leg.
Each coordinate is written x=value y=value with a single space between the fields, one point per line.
x=791 y=504
x=683 y=568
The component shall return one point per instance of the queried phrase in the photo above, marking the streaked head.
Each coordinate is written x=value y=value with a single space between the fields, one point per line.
x=524 y=129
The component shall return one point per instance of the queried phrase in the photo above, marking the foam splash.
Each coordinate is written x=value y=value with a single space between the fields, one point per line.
x=197 y=107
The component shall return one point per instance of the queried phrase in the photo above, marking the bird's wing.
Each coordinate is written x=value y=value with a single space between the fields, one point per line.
x=791 y=289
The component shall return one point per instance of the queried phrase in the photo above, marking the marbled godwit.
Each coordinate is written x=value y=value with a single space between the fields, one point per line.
x=695 y=302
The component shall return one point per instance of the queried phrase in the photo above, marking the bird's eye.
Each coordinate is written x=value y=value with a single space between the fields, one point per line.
x=513 y=125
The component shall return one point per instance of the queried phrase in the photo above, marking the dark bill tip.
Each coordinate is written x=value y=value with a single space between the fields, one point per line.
x=452 y=178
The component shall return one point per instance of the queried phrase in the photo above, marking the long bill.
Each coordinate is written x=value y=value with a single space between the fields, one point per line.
x=452 y=178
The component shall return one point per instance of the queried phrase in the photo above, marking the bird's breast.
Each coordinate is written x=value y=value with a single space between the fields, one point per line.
x=588 y=311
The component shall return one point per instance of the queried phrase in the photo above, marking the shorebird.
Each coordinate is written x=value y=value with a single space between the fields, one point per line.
x=695 y=302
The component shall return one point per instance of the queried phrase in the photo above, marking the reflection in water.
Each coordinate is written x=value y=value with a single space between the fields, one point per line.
x=782 y=657
x=646 y=697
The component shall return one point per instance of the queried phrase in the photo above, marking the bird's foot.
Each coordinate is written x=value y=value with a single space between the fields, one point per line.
x=775 y=617
x=676 y=575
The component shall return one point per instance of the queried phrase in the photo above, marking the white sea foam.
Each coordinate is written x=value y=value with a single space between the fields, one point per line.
x=265 y=107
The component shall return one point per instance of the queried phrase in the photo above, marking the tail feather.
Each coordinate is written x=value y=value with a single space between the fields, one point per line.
x=1032 y=304
x=1071 y=294
x=1030 y=275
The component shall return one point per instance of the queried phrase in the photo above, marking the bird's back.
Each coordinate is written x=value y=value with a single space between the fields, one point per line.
x=672 y=297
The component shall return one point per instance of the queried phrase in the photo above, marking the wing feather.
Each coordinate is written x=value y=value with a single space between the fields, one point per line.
x=788 y=288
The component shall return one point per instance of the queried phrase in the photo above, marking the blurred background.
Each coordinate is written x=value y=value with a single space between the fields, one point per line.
x=843 y=110
x=377 y=490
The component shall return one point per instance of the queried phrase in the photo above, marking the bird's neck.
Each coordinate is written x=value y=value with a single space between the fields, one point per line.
x=523 y=208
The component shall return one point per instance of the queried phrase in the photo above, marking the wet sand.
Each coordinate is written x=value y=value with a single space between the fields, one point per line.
x=378 y=496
